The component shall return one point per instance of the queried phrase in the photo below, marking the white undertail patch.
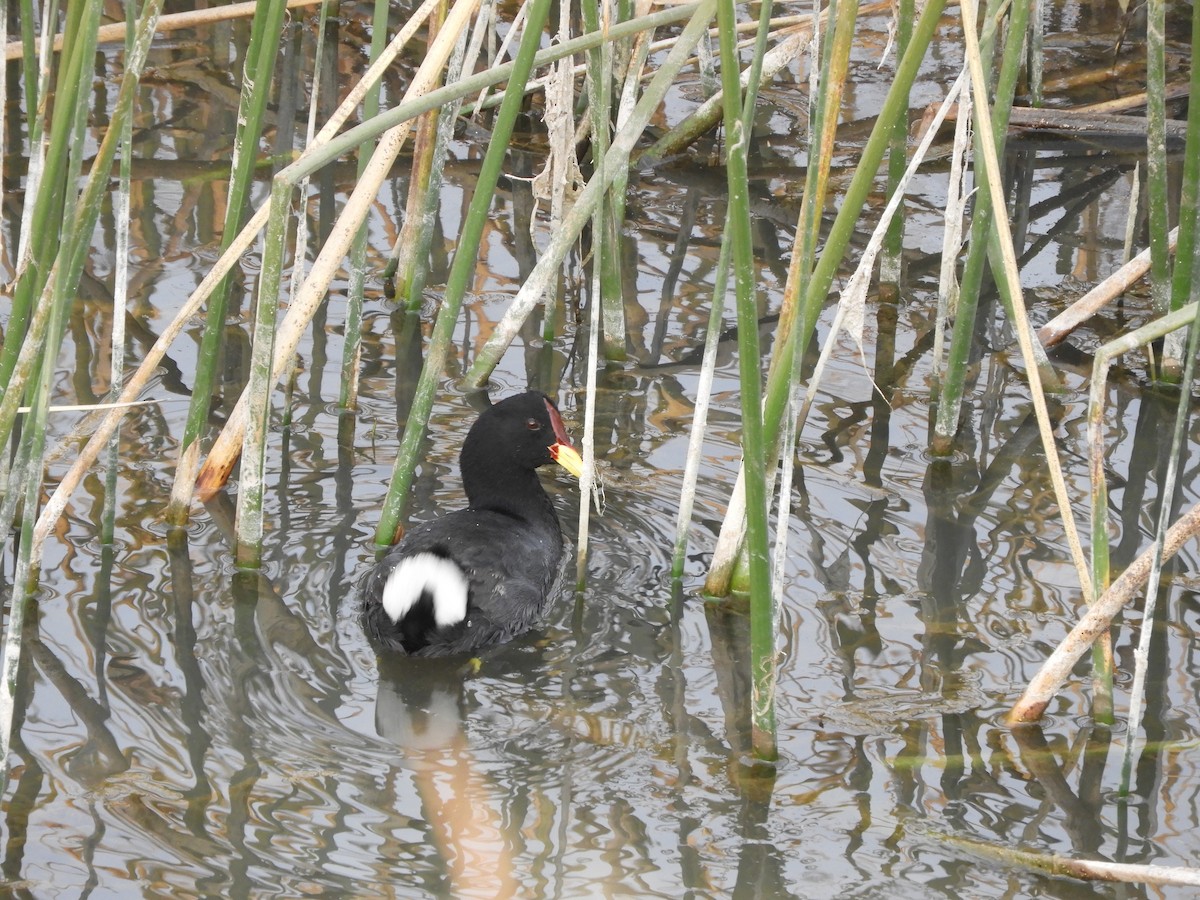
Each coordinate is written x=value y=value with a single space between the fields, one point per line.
x=446 y=582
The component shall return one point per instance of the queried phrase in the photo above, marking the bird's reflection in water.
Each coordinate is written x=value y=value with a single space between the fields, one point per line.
x=420 y=707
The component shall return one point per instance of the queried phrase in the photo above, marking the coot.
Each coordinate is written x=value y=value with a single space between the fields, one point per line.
x=480 y=575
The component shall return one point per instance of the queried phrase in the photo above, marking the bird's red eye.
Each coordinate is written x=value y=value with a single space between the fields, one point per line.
x=533 y=424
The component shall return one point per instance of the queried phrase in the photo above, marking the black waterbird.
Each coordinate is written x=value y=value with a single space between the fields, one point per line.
x=481 y=575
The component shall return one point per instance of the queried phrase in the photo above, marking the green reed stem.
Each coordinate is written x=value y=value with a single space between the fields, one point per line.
x=352 y=341
x=982 y=248
x=423 y=186
x=54 y=209
x=85 y=47
x=52 y=200
x=830 y=81
x=627 y=102
x=36 y=86
x=831 y=76
x=891 y=259
x=33 y=436
x=712 y=339
x=409 y=266
x=33 y=89
x=762 y=636
x=764 y=615
x=1101 y=650
x=1156 y=155
x=24 y=579
x=1189 y=195
x=261 y=54
x=249 y=523
x=461 y=271
x=1037 y=44
x=853 y=202
x=823 y=115
x=778 y=390
x=25 y=30
x=606 y=230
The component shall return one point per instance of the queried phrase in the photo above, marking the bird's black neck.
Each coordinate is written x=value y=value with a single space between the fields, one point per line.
x=491 y=483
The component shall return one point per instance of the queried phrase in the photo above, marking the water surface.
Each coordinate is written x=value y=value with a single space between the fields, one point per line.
x=187 y=729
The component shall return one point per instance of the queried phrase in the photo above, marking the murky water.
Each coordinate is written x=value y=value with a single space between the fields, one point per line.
x=185 y=729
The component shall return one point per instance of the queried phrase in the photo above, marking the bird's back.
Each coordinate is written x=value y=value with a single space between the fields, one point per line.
x=509 y=565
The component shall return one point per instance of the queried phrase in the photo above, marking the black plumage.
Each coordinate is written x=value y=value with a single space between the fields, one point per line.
x=480 y=575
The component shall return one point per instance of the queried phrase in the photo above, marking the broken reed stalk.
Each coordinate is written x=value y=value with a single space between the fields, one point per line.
x=1106 y=292
x=1084 y=123
x=1084 y=869
x=1057 y=668
x=115 y=31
